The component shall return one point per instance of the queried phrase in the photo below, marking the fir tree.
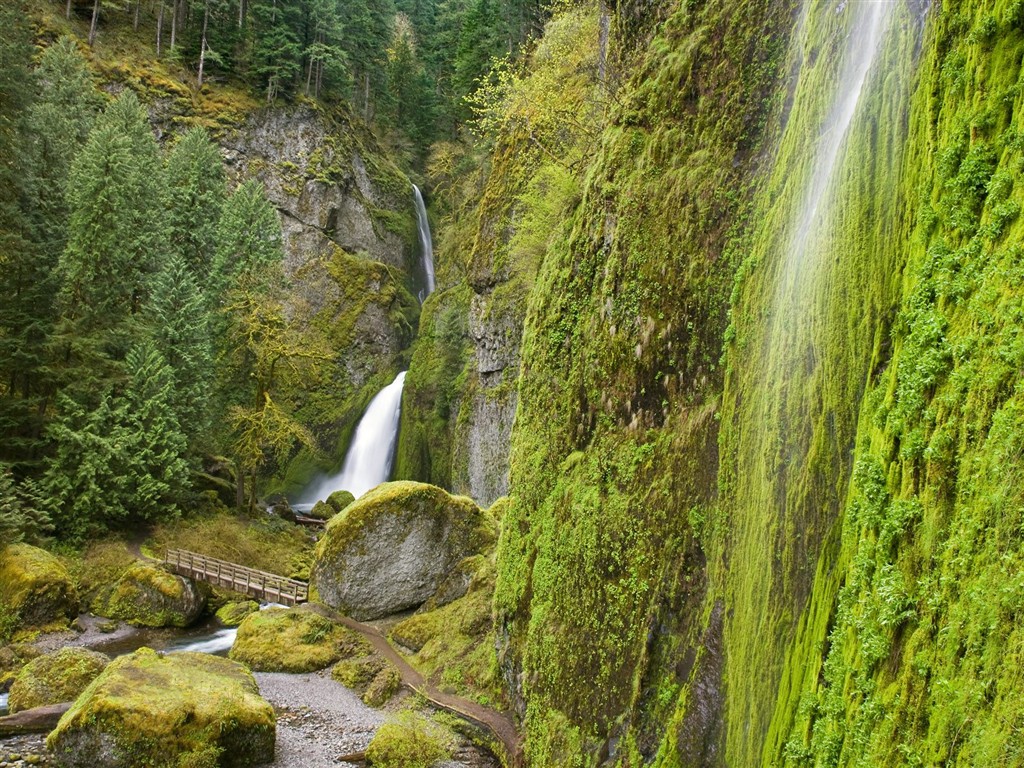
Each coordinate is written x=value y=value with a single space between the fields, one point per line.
x=24 y=510
x=249 y=235
x=277 y=47
x=194 y=199
x=114 y=241
x=180 y=329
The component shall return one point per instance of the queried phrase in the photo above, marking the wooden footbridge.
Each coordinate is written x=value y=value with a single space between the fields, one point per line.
x=259 y=584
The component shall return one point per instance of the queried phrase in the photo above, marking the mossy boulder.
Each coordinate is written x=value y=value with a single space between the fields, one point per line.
x=372 y=676
x=233 y=614
x=294 y=640
x=339 y=500
x=164 y=711
x=55 y=678
x=408 y=741
x=149 y=596
x=391 y=549
x=322 y=511
x=35 y=588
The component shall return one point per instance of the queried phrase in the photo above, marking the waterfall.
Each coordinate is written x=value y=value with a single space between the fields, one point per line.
x=369 y=458
x=426 y=243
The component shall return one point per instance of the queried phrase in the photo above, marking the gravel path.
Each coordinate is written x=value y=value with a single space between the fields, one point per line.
x=318 y=719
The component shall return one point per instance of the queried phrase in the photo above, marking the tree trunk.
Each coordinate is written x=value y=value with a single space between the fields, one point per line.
x=67 y=11
x=174 y=22
x=366 y=96
x=138 y=9
x=243 y=7
x=309 y=75
x=202 y=45
x=95 y=19
x=159 y=29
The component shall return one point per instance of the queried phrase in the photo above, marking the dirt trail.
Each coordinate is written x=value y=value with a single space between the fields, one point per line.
x=499 y=724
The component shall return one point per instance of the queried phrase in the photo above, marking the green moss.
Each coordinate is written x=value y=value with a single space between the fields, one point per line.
x=265 y=543
x=453 y=646
x=293 y=640
x=55 y=678
x=358 y=673
x=340 y=499
x=35 y=589
x=383 y=687
x=164 y=711
x=146 y=595
x=408 y=741
x=233 y=614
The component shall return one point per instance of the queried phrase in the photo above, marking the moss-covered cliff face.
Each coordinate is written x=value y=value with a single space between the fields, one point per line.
x=765 y=468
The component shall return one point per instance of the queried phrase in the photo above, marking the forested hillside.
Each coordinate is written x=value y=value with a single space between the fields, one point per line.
x=725 y=332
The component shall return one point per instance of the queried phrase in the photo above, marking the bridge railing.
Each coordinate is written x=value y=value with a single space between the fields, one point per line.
x=259 y=584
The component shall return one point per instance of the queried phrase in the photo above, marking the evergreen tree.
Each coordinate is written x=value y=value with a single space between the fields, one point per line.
x=115 y=238
x=195 y=196
x=180 y=329
x=367 y=32
x=24 y=510
x=326 y=59
x=249 y=235
x=480 y=41
x=20 y=327
x=277 y=49
x=122 y=461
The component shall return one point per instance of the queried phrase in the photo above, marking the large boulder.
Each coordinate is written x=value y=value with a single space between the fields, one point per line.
x=149 y=596
x=233 y=614
x=391 y=549
x=35 y=588
x=293 y=640
x=55 y=678
x=167 y=710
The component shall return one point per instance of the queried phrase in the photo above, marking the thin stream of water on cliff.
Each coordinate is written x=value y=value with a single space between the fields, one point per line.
x=426 y=242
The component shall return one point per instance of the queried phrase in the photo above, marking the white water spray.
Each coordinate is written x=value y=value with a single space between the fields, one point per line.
x=862 y=45
x=369 y=458
x=219 y=642
x=426 y=243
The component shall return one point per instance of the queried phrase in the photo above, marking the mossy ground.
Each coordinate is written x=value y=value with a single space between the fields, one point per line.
x=293 y=640
x=265 y=543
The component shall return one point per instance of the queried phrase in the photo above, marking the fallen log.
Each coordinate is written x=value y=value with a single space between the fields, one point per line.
x=353 y=757
x=35 y=720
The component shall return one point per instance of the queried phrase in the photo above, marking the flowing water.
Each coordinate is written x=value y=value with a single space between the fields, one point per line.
x=3 y=704
x=426 y=242
x=369 y=458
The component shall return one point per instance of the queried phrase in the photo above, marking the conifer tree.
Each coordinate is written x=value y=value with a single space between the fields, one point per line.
x=121 y=462
x=277 y=46
x=179 y=321
x=25 y=513
x=249 y=235
x=195 y=196
x=115 y=238
x=18 y=252
x=326 y=59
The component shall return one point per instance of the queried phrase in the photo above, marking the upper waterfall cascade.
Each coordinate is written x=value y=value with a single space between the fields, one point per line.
x=426 y=242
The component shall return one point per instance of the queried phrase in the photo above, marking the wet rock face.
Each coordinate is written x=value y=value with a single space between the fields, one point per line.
x=393 y=548
x=178 y=709
x=320 y=185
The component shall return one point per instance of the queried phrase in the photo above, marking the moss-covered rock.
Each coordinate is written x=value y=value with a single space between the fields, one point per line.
x=12 y=658
x=35 y=588
x=322 y=511
x=339 y=500
x=149 y=596
x=233 y=614
x=408 y=741
x=55 y=678
x=293 y=640
x=372 y=676
x=167 y=710
x=382 y=687
x=392 y=549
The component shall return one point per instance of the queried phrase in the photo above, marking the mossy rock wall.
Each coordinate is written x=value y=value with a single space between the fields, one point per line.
x=164 y=710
